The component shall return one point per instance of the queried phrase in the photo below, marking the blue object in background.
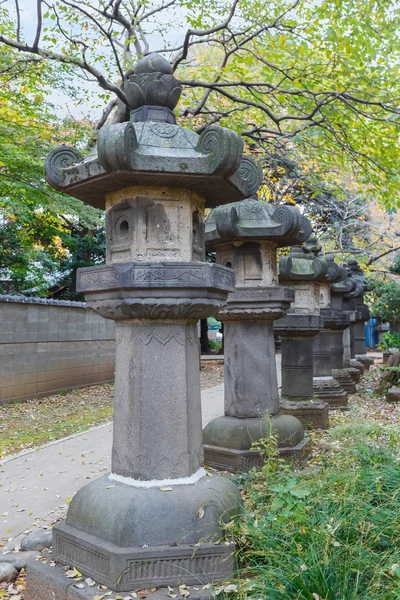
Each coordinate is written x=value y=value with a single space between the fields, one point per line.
x=371 y=335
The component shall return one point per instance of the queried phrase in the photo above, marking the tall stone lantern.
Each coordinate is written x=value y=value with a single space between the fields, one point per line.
x=361 y=315
x=245 y=236
x=328 y=344
x=156 y=518
x=342 y=370
x=304 y=272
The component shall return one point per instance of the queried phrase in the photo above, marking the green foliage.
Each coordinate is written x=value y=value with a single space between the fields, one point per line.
x=330 y=535
x=83 y=251
x=213 y=324
x=395 y=266
x=386 y=300
x=214 y=345
x=322 y=77
x=390 y=340
x=36 y=222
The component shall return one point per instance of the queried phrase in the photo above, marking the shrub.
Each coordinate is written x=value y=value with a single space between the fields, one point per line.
x=333 y=535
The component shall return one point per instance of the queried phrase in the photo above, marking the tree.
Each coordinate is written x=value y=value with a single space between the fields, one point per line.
x=35 y=221
x=385 y=301
x=322 y=76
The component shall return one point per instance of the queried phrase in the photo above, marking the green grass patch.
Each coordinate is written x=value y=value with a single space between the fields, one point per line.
x=331 y=535
x=36 y=422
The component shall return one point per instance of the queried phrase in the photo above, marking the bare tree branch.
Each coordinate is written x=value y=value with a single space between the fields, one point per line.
x=102 y=81
x=203 y=33
x=375 y=258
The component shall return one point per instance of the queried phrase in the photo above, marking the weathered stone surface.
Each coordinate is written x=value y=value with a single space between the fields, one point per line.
x=228 y=441
x=153 y=276
x=19 y=560
x=304 y=271
x=157 y=397
x=38 y=540
x=152 y=150
x=344 y=377
x=44 y=582
x=365 y=360
x=357 y=369
x=263 y=304
x=8 y=573
x=142 y=525
x=50 y=583
x=329 y=390
x=110 y=524
x=251 y=386
x=393 y=394
x=312 y=413
x=156 y=290
x=254 y=220
x=245 y=236
x=297 y=332
x=160 y=90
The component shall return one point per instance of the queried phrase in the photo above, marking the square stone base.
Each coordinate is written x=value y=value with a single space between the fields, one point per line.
x=44 y=582
x=125 y=569
x=228 y=459
x=312 y=414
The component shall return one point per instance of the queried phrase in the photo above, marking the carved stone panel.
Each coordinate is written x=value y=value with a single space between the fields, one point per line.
x=306 y=297
x=324 y=295
x=255 y=264
x=154 y=225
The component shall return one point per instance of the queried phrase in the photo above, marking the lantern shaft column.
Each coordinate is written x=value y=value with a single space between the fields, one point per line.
x=157 y=363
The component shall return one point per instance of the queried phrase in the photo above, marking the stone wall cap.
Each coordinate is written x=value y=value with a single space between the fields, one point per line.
x=253 y=220
x=43 y=301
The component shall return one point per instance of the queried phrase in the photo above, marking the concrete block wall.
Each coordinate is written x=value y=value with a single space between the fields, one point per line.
x=49 y=345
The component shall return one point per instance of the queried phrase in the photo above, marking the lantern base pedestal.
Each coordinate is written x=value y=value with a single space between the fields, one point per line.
x=358 y=366
x=228 y=441
x=128 y=537
x=345 y=377
x=45 y=582
x=313 y=413
x=365 y=360
x=329 y=390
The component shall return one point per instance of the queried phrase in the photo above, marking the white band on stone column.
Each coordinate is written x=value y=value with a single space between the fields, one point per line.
x=199 y=474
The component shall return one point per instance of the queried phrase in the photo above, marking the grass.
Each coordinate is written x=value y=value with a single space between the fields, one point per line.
x=30 y=424
x=33 y=423
x=331 y=535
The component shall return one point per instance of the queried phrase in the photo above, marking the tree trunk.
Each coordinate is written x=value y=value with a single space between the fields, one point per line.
x=204 y=345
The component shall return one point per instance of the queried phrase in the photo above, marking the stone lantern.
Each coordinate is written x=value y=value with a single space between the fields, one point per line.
x=156 y=518
x=342 y=369
x=328 y=344
x=245 y=236
x=361 y=315
x=303 y=271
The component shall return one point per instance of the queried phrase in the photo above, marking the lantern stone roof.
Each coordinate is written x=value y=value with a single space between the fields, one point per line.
x=252 y=220
x=357 y=275
x=335 y=271
x=346 y=285
x=151 y=149
x=301 y=264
